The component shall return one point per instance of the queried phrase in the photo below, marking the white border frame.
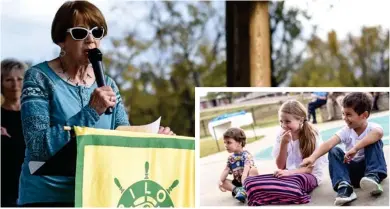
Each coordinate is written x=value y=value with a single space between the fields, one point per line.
x=199 y=90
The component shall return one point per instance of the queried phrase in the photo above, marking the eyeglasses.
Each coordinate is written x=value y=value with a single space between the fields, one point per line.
x=79 y=33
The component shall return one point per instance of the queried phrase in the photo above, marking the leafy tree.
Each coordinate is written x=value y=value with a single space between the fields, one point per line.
x=357 y=61
x=286 y=31
x=186 y=57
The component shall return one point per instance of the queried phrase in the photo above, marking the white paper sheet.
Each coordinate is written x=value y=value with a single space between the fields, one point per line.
x=148 y=128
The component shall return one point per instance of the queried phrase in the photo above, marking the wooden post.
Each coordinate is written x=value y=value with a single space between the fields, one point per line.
x=259 y=32
x=248 y=44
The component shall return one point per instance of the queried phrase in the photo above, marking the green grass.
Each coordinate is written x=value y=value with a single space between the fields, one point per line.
x=266 y=122
x=206 y=115
x=209 y=146
x=214 y=112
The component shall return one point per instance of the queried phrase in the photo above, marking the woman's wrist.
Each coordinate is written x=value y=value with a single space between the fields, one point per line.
x=92 y=112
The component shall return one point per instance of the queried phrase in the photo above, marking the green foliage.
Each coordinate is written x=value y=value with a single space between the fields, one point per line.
x=185 y=58
x=286 y=32
x=358 y=61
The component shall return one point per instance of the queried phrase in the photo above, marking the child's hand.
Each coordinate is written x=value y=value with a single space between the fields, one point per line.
x=221 y=187
x=286 y=136
x=307 y=162
x=280 y=173
x=349 y=155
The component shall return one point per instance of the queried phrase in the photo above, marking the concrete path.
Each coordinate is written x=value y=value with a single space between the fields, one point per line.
x=212 y=166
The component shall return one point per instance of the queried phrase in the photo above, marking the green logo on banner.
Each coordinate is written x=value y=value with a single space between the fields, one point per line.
x=145 y=193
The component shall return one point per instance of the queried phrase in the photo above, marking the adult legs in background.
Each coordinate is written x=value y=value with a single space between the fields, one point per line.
x=330 y=108
x=375 y=102
x=312 y=106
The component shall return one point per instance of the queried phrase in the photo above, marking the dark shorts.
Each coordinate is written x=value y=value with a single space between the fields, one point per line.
x=237 y=184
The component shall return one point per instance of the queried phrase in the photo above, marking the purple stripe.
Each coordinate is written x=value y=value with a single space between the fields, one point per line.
x=262 y=196
x=267 y=189
x=274 y=183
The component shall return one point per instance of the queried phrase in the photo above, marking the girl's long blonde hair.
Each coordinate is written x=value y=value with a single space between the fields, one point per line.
x=307 y=134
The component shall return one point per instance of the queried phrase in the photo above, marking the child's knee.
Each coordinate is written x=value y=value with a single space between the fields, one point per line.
x=225 y=181
x=376 y=146
x=253 y=171
x=336 y=152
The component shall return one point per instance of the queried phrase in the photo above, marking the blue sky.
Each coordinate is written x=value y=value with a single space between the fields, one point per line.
x=25 y=24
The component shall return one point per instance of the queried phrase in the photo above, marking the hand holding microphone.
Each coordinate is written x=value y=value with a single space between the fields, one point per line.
x=103 y=98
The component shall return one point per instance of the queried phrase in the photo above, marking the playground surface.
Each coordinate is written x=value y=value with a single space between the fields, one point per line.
x=212 y=166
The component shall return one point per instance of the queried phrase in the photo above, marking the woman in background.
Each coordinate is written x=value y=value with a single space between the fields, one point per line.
x=12 y=142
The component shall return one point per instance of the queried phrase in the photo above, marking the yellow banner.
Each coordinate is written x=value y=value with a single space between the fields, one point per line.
x=125 y=169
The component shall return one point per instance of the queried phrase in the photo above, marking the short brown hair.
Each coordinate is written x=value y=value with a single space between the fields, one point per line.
x=72 y=13
x=237 y=134
x=7 y=65
x=359 y=102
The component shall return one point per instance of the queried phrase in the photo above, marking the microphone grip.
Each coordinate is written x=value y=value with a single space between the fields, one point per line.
x=99 y=76
x=108 y=111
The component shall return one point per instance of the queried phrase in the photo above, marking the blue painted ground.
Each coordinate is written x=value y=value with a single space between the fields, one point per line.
x=326 y=134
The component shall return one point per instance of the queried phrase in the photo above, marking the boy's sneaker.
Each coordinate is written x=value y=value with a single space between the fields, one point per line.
x=370 y=184
x=241 y=195
x=345 y=194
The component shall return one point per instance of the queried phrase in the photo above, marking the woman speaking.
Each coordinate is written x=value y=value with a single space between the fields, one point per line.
x=63 y=92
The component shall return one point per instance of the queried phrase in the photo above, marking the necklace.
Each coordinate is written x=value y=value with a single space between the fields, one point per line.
x=69 y=79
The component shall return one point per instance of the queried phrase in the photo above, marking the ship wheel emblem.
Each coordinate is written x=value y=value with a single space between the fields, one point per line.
x=145 y=193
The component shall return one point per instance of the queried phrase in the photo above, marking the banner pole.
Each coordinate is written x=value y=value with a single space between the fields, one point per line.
x=67 y=128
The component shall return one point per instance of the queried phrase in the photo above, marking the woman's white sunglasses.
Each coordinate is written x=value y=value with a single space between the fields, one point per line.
x=80 y=33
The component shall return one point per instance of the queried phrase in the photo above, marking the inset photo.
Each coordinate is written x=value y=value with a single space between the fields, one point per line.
x=289 y=146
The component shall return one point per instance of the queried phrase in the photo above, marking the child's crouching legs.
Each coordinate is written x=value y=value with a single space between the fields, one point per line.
x=227 y=185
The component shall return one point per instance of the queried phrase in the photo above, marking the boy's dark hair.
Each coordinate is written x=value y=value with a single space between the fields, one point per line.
x=359 y=102
x=237 y=134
